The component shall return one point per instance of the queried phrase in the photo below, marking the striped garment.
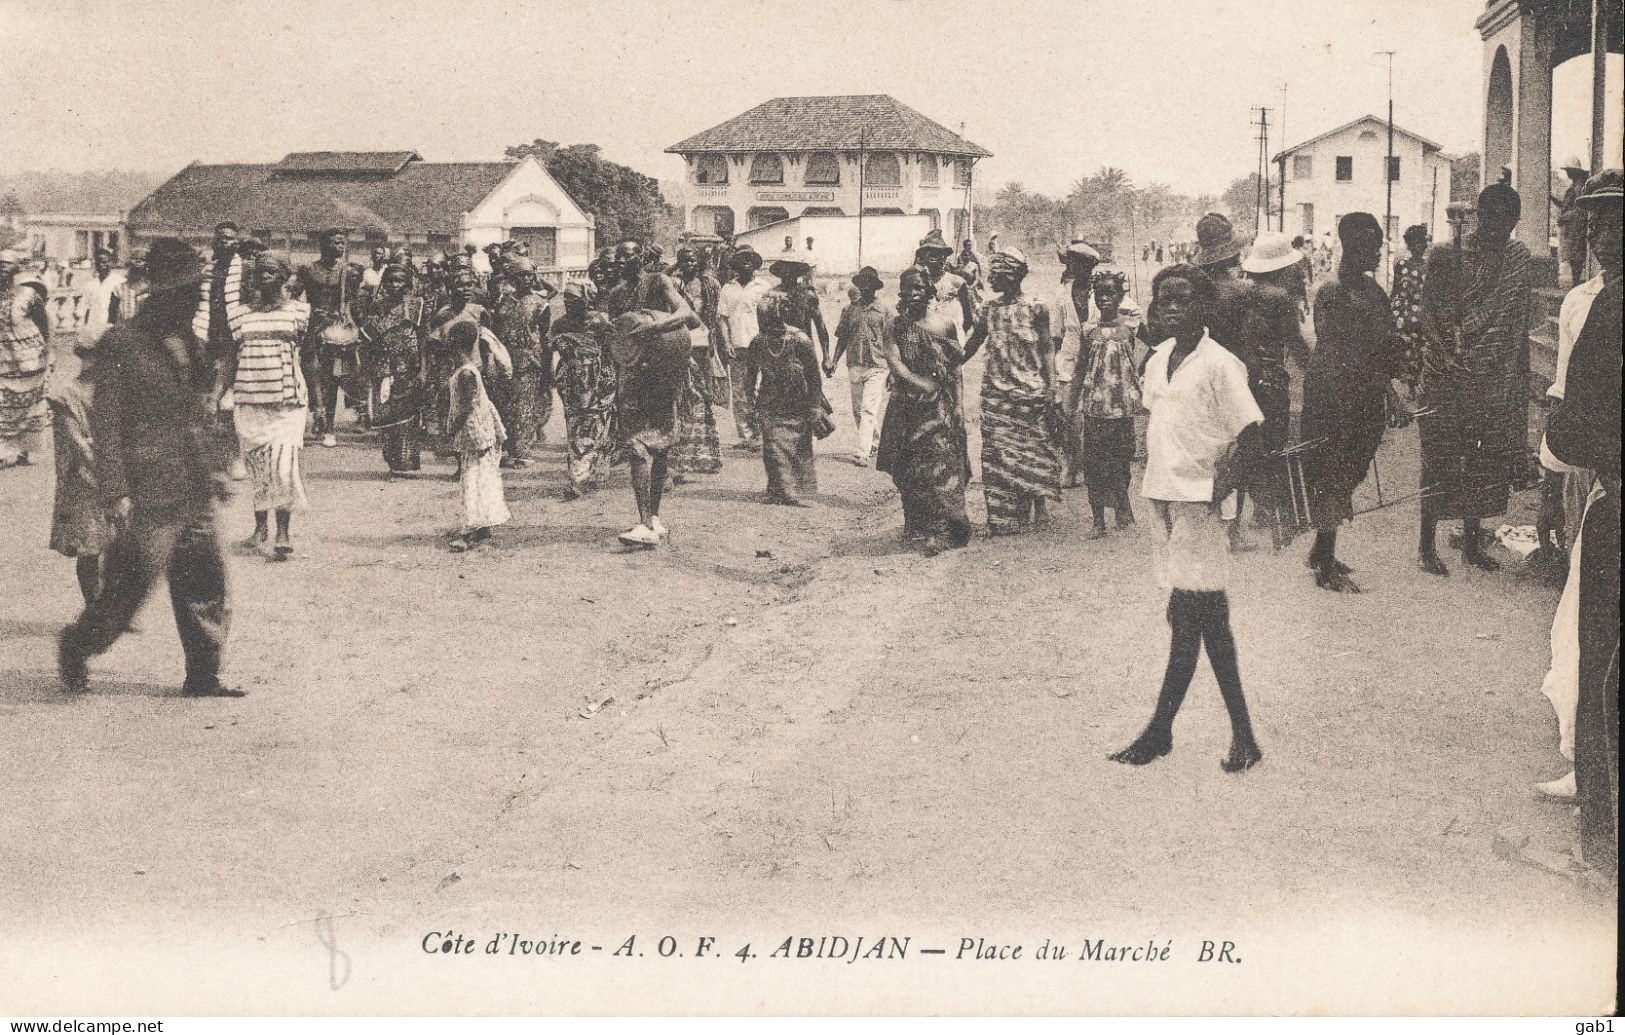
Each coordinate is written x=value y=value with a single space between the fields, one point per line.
x=268 y=355
x=234 y=298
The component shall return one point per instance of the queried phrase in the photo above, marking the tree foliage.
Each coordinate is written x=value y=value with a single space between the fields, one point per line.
x=624 y=202
x=1465 y=177
x=1105 y=209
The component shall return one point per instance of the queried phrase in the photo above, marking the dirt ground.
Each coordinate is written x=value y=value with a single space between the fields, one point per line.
x=785 y=725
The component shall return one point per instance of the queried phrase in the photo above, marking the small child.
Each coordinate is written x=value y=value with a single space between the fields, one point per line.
x=477 y=434
x=1106 y=398
x=79 y=527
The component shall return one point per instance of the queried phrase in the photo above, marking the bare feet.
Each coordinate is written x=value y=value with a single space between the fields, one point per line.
x=1098 y=531
x=1242 y=757
x=1430 y=563
x=1481 y=560
x=1329 y=577
x=1147 y=748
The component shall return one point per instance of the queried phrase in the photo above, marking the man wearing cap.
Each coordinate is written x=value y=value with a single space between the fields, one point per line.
x=864 y=338
x=1475 y=316
x=737 y=309
x=100 y=298
x=1571 y=220
x=1584 y=432
x=158 y=468
x=1569 y=489
x=329 y=286
x=525 y=400
x=952 y=290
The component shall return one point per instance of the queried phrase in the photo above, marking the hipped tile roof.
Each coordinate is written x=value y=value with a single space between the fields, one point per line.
x=841 y=123
x=422 y=197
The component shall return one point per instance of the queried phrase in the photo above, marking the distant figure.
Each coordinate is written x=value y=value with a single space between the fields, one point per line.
x=1571 y=221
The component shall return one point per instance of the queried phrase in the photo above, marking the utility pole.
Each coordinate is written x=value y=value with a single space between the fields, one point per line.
x=1388 y=176
x=1261 y=196
x=863 y=162
x=1281 y=173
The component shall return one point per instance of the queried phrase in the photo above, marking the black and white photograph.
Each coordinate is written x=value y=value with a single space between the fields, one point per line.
x=743 y=508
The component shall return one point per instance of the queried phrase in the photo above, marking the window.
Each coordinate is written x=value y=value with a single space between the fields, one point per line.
x=1303 y=167
x=1345 y=168
x=823 y=170
x=766 y=168
x=1393 y=169
x=440 y=242
x=962 y=172
x=882 y=170
x=711 y=169
x=928 y=171
x=1368 y=134
x=765 y=215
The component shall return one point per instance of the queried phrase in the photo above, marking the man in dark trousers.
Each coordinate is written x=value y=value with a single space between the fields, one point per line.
x=159 y=469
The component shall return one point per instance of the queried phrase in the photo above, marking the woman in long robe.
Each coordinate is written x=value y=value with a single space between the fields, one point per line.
x=1475 y=308
x=785 y=379
x=392 y=359
x=1021 y=417
x=585 y=379
x=24 y=331
x=922 y=441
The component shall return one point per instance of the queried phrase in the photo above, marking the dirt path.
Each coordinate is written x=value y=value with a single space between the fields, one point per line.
x=813 y=732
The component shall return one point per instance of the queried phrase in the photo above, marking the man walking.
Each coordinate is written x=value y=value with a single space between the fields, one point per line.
x=158 y=467
x=864 y=337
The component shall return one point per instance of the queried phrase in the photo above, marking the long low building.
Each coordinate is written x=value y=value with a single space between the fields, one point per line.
x=382 y=197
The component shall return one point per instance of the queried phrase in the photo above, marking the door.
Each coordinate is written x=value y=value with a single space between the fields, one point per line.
x=543 y=242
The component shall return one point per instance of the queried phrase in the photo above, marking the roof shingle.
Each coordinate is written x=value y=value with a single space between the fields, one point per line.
x=840 y=123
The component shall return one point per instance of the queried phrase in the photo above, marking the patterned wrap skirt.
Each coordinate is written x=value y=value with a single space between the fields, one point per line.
x=787 y=454
x=698 y=449
x=271 y=438
x=1020 y=461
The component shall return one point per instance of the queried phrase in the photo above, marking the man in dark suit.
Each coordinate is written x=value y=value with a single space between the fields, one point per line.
x=159 y=465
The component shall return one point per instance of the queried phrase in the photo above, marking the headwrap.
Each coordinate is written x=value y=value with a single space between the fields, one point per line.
x=1116 y=278
x=272 y=261
x=1010 y=255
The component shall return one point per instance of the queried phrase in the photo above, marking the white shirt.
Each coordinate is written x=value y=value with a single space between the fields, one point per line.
x=1194 y=418
x=1571 y=320
x=738 y=304
x=98 y=300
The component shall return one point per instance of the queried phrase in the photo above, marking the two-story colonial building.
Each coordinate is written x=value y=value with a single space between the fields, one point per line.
x=813 y=156
x=1342 y=171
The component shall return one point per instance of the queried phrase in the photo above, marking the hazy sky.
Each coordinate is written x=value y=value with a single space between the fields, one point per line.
x=1055 y=88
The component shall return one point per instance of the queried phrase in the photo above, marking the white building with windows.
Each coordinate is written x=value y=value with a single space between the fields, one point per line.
x=1342 y=171
x=794 y=157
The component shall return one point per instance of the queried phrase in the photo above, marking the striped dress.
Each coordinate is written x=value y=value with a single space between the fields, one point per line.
x=1020 y=462
x=271 y=402
x=22 y=368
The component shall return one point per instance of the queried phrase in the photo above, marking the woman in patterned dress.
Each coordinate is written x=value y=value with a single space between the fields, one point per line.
x=270 y=402
x=698 y=449
x=1410 y=274
x=24 y=331
x=922 y=440
x=585 y=378
x=392 y=358
x=786 y=390
x=1021 y=465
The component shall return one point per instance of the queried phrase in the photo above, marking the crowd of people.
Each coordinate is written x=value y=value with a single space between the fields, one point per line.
x=238 y=359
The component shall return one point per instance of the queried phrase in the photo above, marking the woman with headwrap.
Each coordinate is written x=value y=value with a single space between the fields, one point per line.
x=392 y=359
x=24 y=330
x=1410 y=274
x=785 y=384
x=1021 y=419
x=698 y=449
x=270 y=401
x=1475 y=314
x=922 y=440
x=585 y=379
